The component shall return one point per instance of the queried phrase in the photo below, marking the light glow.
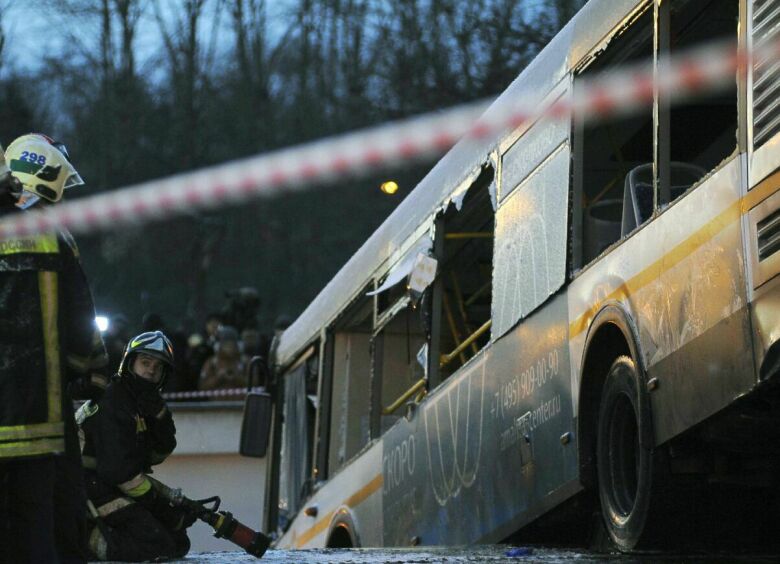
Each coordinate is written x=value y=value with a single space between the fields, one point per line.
x=389 y=187
x=102 y=323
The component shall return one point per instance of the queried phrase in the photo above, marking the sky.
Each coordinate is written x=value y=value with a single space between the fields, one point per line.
x=33 y=35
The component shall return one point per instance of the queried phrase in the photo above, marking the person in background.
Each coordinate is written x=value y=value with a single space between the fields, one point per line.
x=281 y=323
x=200 y=346
x=227 y=367
x=52 y=352
x=251 y=342
x=127 y=432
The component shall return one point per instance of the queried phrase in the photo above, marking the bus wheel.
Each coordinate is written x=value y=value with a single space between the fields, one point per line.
x=624 y=454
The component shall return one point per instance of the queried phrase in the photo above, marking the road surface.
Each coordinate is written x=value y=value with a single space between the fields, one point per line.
x=463 y=555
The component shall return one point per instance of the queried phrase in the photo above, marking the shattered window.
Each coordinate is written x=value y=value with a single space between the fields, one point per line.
x=463 y=288
x=610 y=201
x=702 y=132
x=350 y=381
x=531 y=227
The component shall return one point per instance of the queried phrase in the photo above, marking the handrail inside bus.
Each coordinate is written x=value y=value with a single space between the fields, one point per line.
x=476 y=295
x=462 y=307
x=453 y=326
x=469 y=235
x=447 y=358
x=393 y=407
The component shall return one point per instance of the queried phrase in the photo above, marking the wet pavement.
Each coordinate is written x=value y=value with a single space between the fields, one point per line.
x=471 y=554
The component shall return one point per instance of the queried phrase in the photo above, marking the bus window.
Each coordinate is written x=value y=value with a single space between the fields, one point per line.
x=463 y=288
x=697 y=135
x=606 y=151
x=531 y=230
x=299 y=412
x=399 y=364
x=350 y=385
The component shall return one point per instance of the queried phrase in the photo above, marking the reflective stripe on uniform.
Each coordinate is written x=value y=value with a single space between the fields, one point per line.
x=99 y=381
x=136 y=486
x=34 y=447
x=32 y=431
x=42 y=244
x=47 y=283
x=114 y=505
x=78 y=363
x=98 y=544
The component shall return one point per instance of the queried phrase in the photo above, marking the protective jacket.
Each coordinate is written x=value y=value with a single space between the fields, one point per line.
x=48 y=340
x=122 y=442
x=124 y=434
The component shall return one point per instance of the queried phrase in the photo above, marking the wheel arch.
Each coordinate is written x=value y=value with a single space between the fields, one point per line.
x=611 y=334
x=342 y=532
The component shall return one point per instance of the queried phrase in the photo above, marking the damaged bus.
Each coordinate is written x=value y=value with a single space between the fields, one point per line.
x=566 y=319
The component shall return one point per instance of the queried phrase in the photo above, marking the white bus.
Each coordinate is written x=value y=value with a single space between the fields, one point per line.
x=567 y=313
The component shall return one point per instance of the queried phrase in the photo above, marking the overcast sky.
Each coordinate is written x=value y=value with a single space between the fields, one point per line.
x=35 y=34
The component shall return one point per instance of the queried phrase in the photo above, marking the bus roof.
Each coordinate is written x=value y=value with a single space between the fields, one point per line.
x=587 y=31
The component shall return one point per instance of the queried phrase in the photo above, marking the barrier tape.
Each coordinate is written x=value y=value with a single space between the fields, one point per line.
x=210 y=393
x=621 y=91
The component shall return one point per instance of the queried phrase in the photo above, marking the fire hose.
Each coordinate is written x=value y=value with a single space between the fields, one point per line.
x=224 y=524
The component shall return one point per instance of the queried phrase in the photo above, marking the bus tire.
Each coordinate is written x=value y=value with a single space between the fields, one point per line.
x=624 y=454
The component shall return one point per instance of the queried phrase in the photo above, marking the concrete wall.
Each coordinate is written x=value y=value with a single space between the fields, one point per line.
x=206 y=463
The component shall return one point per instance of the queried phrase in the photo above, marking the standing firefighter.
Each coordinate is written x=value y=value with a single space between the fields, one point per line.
x=50 y=349
x=125 y=434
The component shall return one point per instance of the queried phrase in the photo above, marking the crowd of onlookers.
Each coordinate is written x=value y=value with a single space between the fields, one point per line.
x=214 y=358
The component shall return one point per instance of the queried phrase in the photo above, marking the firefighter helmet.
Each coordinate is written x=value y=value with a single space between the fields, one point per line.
x=152 y=343
x=3 y=167
x=42 y=166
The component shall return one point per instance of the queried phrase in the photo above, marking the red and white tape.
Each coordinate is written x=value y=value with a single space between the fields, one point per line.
x=357 y=153
x=195 y=394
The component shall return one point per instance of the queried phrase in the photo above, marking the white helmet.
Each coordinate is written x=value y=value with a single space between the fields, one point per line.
x=3 y=166
x=43 y=168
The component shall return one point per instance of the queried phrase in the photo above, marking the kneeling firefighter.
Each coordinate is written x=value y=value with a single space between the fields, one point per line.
x=127 y=432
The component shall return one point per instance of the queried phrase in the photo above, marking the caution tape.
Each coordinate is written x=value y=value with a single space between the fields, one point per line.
x=620 y=91
x=194 y=394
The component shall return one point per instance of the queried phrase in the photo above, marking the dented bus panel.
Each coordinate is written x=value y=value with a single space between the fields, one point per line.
x=598 y=286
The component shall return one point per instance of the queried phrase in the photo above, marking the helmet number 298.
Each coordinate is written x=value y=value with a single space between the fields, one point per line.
x=33 y=158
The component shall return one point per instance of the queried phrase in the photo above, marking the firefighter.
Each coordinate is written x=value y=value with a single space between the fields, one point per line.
x=50 y=348
x=127 y=432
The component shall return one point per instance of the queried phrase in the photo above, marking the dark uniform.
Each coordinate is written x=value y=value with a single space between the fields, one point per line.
x=49 y=348
x=125 y=434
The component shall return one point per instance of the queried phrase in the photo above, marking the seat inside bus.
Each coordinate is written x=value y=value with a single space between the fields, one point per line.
x=613 y=171
x=638 y=191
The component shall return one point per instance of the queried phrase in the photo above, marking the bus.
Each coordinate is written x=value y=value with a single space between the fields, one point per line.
x=570 y=313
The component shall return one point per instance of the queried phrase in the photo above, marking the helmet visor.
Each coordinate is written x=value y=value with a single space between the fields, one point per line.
x=73 y=179
x=27 y=200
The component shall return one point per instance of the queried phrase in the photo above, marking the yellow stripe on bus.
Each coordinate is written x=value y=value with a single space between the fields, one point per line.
x=682 y=251
x=355 y=499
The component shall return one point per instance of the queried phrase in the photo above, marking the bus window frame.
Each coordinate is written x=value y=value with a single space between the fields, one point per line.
x=661 y=126
x=322 y=421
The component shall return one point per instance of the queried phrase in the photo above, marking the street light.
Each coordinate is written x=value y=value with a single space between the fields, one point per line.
x=102 y=323
x=389 y=187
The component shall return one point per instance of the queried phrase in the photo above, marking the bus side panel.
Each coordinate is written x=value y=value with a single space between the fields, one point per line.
x=680 y=279
x=706 y=360
x=483 y=454
x=355 y=491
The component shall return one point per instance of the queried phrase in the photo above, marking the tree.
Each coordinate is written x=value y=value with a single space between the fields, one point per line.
x=235 y=77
